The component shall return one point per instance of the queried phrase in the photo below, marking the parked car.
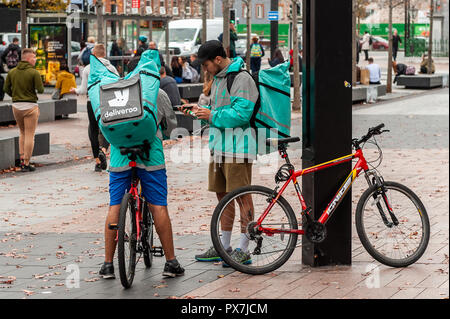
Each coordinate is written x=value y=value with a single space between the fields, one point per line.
x=379 y=43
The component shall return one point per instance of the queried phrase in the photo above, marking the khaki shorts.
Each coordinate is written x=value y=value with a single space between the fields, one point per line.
x=226 y=177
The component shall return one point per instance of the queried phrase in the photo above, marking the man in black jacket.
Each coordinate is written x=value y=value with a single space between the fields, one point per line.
x=169 y=85
x=395 y=40
x=12 y=55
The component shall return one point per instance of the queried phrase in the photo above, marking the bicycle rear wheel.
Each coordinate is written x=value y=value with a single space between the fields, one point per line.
x=266 y=251
x=393 y=245
x=127 y=240
x=147 y=240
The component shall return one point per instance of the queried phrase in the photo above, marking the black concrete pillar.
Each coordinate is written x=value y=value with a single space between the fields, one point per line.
x=273 y=29
x=327 y=122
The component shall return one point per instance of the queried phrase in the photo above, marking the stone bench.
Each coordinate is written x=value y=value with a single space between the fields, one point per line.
x=50 y=110
x=360 y=92
x=9 y=147
x=190 y=91
x=421 y=81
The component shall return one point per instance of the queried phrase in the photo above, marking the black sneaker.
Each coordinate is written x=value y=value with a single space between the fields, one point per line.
x=98 y=168
x=107 y=271
x=172 y=268
x=27 y=168
x=102 y=158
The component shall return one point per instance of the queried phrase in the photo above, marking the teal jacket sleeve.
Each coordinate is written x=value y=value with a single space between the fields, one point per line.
x=243 y=96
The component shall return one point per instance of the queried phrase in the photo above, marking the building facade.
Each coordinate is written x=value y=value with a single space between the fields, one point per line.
x=178 y=9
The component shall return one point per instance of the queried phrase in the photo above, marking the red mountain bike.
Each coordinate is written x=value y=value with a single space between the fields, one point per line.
x=391 y=221
x=135 y=228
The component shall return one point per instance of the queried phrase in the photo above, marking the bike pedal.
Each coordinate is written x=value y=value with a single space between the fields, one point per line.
x=113 y=226
x=157 y=251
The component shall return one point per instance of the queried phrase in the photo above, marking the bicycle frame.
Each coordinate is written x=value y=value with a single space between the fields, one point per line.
x=135 y=193
x=361 y=165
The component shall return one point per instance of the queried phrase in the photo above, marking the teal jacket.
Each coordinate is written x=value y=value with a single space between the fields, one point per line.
x=230 y=134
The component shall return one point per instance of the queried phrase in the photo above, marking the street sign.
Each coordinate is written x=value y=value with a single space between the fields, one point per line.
x=274 y=16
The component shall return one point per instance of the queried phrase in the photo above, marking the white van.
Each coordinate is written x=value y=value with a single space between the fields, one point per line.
x=185 y=35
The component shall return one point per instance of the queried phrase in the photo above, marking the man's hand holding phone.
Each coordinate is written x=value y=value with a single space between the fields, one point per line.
x=189 y=109
x=194 y=110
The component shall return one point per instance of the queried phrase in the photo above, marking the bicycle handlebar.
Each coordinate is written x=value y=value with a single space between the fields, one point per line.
x=372 y=131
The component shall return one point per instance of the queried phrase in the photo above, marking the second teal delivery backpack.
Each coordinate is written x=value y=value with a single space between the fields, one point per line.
x=125 y=108
x=271 y=116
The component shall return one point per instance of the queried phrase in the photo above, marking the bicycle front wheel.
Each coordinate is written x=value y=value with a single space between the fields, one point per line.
x=257 y=250
x=127 y=240
x=393 y=245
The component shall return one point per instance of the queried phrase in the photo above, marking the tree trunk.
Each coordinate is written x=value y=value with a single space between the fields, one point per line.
x=249 y=33
x=204 y=5
x=99 y=5
x=389 y=71
x=430 y=39
x=226 y=26
x=23 y=23
x=297 y=100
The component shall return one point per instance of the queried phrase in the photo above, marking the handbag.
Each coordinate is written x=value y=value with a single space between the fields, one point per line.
x=56 y=94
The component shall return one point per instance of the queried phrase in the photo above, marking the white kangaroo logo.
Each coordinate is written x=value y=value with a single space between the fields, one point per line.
x=121 y=99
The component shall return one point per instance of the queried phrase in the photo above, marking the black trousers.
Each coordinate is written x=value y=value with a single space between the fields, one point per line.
x=95 y=135
x=394 y=53
x=366 y=53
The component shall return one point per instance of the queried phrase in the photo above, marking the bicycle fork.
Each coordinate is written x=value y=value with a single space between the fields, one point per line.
x=381 y=190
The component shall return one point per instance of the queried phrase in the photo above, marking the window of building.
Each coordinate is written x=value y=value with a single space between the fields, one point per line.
x=175 y=10
x=260 y=11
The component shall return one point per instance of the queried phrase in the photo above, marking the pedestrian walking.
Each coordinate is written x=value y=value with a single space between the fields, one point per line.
x=12 y=54
x=256 y=54
x=395 y=42
x=99 y=144
x=21 y=84
x=232 y=158
x=277 y=58
x=365 y=44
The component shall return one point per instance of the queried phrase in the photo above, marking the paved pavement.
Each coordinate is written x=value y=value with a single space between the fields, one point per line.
x=52 y=220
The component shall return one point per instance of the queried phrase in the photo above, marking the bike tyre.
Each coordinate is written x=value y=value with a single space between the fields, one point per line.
x=365 y=240
x=215 y=235
x=127 y=275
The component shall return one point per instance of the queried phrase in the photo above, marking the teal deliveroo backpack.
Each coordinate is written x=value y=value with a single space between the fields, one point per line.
x=271 y=116
x=125 y=108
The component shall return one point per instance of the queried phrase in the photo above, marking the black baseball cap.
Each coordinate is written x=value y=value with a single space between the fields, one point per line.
x=209 y=50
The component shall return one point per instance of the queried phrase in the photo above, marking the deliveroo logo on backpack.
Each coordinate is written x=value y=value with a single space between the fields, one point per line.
x=121 y=99
x=121 y=104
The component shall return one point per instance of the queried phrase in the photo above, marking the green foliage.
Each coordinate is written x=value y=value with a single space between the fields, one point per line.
x=44 y=5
